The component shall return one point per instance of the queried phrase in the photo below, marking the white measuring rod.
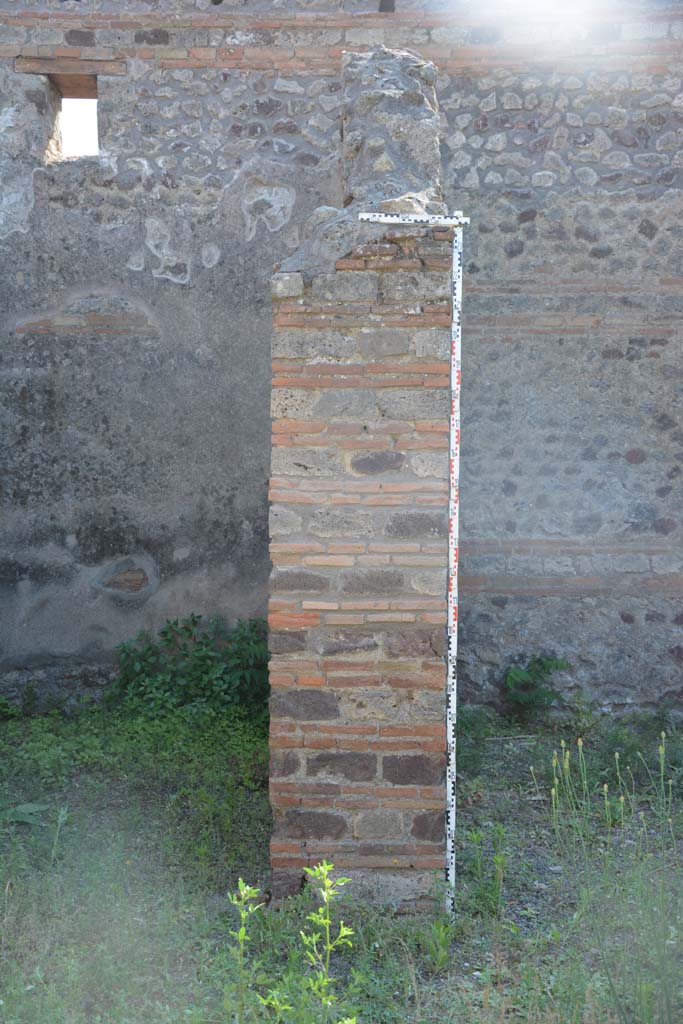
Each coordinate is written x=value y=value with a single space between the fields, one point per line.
x=457 y=221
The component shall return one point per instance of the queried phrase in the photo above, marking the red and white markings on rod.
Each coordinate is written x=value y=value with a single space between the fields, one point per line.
x=457 y=221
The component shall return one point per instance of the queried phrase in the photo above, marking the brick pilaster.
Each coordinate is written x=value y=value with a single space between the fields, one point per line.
x=358 y=545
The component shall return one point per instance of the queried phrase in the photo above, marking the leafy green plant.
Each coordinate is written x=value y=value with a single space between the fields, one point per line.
x=23 y=814
x=528 y=692
x=437 y=944
x=8 y=710
x=308 y=996
x=196 y=665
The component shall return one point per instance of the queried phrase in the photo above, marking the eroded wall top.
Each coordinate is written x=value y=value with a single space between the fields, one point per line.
x=390 y=129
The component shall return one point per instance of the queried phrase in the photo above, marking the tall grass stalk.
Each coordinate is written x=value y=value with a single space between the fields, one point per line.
x=62 y=818
x=622 y=850
x=244 y=901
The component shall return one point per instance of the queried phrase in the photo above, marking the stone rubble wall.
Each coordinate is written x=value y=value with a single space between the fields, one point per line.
x=561 y=140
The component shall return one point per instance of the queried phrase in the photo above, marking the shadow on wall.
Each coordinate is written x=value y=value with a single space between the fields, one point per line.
x=110 y=526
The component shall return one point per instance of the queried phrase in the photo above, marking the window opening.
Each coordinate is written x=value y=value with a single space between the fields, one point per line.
x=75 y=132
x=387 y=6
x=78 y=128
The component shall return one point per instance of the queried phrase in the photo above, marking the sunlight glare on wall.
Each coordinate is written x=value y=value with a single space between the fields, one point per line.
x=545 y=24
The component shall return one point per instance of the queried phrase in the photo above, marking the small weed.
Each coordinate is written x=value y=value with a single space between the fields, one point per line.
x=8 y=710
x=527 y=691
x=437 y=944
x=29 y=701
x=62 y=818
x=239 y=996
x=487 y=861
x=23 y=814
x=320 y=945
x=583 y=717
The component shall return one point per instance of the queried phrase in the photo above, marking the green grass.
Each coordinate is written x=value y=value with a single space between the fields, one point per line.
x=116 y=919
x=113 y=893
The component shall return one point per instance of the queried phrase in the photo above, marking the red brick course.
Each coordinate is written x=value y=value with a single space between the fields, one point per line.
x=292 y=42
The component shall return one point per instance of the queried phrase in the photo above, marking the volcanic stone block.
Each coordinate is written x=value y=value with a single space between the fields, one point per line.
x=413 y=770
x=355 y=767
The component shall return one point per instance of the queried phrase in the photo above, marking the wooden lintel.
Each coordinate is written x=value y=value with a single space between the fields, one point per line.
x=68 y=66
x=81 y=87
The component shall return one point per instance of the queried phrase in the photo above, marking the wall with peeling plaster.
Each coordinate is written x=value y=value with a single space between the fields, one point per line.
x=136 y=321
x=135 y=361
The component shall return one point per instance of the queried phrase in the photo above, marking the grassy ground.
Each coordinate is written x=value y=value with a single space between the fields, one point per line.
x=120 y=837
x=114 y=916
